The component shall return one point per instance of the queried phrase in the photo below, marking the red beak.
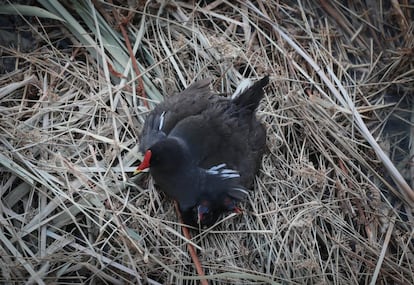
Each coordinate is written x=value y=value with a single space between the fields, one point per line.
x=145 y=163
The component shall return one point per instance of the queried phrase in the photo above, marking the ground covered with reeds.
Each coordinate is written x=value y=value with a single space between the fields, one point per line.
x=332 y=204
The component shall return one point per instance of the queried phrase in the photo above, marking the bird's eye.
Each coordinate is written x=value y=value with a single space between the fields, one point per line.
x=155 y=159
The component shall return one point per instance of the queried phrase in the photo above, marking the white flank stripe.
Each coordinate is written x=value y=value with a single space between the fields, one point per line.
x=217 y=167
x=161 y=121
x=223 y=173
x=229 y=176
x=228 y=171
x=241 y=190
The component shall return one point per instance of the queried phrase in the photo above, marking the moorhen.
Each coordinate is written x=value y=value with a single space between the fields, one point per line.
x=204 y=150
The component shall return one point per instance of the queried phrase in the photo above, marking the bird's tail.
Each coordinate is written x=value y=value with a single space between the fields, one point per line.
x=250 y=97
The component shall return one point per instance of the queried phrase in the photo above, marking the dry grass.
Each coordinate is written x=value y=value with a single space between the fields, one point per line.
x=328 y=206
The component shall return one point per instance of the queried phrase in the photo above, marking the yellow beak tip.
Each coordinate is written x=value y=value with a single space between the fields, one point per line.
x=136 y=172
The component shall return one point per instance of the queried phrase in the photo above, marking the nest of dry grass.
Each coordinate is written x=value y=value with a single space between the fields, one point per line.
x=332 y=204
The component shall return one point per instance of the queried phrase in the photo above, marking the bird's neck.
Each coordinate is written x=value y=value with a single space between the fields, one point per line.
x=180 y=183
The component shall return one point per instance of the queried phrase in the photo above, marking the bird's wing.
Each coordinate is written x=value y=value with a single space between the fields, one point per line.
x=169 y=113
x=213 y=136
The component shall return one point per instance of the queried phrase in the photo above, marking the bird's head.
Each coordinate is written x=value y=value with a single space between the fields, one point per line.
x=166 y=155
x=209 y=208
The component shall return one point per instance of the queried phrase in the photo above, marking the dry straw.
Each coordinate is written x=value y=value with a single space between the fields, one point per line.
x=333 y=203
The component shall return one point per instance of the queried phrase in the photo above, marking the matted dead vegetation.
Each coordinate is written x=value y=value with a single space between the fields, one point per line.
x=328 y=207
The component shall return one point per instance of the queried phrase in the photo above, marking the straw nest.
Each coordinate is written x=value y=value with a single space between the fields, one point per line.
x=332 y=203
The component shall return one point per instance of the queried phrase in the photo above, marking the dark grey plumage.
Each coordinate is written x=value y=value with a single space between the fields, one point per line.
x=192 y=132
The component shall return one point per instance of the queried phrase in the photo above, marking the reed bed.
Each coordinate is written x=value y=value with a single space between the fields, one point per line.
x=332 y=204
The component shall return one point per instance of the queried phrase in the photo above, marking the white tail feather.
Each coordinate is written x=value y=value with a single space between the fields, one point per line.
x=244 y=85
